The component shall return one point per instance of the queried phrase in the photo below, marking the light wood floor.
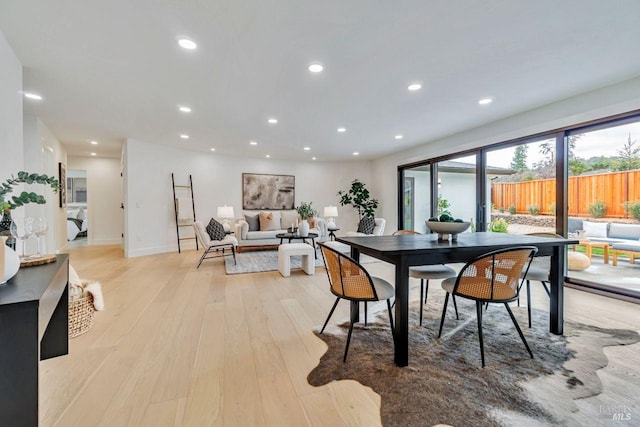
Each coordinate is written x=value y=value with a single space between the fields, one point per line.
x=180 y=346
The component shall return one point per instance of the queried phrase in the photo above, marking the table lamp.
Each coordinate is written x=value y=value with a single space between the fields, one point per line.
x=225 y=213
x=330 y=212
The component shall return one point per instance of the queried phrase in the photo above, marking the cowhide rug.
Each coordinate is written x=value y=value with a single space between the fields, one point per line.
x=445 y=383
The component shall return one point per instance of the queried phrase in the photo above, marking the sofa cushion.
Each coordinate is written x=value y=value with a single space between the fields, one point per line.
x=269 y=221
x=595 y=229
x=624 y=231
x=215 y=230
x=366 y=225
x=288 y=218
x=253 y=221
x=261 y=235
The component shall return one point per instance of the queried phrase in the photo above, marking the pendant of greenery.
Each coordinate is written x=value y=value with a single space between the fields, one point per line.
x=306 y=211
x=25 y=197
x=358 y=197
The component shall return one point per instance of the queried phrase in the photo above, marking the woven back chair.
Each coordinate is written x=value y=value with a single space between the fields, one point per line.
x=492 y=277
x=349 y=280
x=426 y=273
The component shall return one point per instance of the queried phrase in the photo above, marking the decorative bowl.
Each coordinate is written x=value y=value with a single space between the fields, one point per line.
x=446 y=229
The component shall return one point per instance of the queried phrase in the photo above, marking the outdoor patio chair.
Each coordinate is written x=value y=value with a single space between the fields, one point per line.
x=349 y=280
x=427 y=272
x=492 y=277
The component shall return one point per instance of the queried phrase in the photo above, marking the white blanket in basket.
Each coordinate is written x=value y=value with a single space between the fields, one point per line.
x=78 y=287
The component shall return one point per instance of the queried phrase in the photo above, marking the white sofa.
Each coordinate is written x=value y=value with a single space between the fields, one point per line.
x=248 y=238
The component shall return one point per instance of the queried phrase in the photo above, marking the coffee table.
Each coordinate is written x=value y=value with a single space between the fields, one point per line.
x=588 y=244
x=295 y=236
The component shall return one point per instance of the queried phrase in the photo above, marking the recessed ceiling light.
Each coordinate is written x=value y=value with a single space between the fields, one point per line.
x=93 y=154
x=398 y=136
x=316 y=68
x=485 y=101
x=212 y=149
x=342 y=129
x=273 y=121
x=184 y=109
x=187 y=43
x=34 y=96
x=355 y=153
x=268 y=155
x=93 y=142
x=253 y=143
x=184 y=136
x=414 y=86
x=313 y=158
x=307 y=148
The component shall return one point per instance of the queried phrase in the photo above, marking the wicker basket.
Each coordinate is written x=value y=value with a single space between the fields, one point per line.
x=81 y=313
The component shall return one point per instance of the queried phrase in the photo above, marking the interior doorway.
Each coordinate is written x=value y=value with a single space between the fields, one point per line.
x=77 y=208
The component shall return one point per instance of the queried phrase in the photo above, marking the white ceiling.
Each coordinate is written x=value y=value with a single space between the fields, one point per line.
x=111 y=70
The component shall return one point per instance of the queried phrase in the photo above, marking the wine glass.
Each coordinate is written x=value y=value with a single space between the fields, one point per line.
x=22 y=229
x=40 y=229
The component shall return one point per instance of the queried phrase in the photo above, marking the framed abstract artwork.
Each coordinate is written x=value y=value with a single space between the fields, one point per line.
x=261 y=191
x=62 y=179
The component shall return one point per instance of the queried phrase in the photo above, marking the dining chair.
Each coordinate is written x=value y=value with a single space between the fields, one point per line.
x=427 y=272
x=538 y=271
x=350 y=281
x=493 y=277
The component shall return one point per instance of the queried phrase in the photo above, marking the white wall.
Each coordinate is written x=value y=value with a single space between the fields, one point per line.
x=42 y=153
x=11 y=155
x=104 y=195
x=604 y=102
x=217 y=181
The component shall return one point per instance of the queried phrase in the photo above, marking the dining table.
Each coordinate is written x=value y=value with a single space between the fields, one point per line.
x=405 y=251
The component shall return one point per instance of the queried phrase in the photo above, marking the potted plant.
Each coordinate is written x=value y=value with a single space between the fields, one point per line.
x=306 y=212
x=6 y=204
x=359 y=197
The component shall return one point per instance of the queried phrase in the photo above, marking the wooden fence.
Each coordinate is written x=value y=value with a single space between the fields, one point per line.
x=613 y=189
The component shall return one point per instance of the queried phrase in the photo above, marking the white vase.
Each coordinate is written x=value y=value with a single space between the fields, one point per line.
x=11 y=263
x=303 y=228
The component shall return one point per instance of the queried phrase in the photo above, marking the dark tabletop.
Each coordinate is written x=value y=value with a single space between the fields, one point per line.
x=30 y=283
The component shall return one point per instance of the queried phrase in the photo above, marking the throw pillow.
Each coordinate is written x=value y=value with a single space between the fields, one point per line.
x=268 y=222
x=595 y=229
x=312 y=222
x=253 y=221
x=366 y=225
x=215 y=230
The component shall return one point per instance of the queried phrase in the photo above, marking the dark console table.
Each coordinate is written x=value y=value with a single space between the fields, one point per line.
x=34 y=325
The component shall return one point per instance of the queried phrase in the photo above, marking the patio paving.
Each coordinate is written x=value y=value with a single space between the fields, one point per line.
x=624 y=275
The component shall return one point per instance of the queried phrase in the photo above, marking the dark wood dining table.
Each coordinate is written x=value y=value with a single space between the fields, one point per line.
x=405 y=251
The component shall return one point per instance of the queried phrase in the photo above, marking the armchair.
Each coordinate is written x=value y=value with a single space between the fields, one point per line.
x=378 y=230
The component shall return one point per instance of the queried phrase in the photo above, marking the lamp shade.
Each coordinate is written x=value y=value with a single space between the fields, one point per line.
x=331 y=211
x=225 y=212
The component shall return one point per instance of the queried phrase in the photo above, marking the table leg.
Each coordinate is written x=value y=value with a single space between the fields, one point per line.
x=606 y=254
x=355 y=311
x=401 y=320
x=556 y=301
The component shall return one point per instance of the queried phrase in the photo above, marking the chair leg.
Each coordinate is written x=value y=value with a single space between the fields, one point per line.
x=330 y=314
x=444 y=312
x=515 y=322
x=365 y=313
x=421 y=297
x=233 y=250
x=206 y=251
x=455 y=305
x=479 y=314
x=393 y=334
x=529 y=301
x=546 y=289
x=352 y=320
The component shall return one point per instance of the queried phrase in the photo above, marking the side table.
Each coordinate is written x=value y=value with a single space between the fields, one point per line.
x=332 y=233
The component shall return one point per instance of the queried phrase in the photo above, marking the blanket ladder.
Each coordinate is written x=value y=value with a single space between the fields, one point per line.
x=182 y=189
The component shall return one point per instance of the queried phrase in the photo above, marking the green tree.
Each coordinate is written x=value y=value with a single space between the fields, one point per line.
x=519 y=161
x=577 y=166
x=629 y=156
x=359 y=197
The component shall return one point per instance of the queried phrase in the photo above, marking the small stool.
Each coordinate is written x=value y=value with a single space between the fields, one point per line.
x=286 y=250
